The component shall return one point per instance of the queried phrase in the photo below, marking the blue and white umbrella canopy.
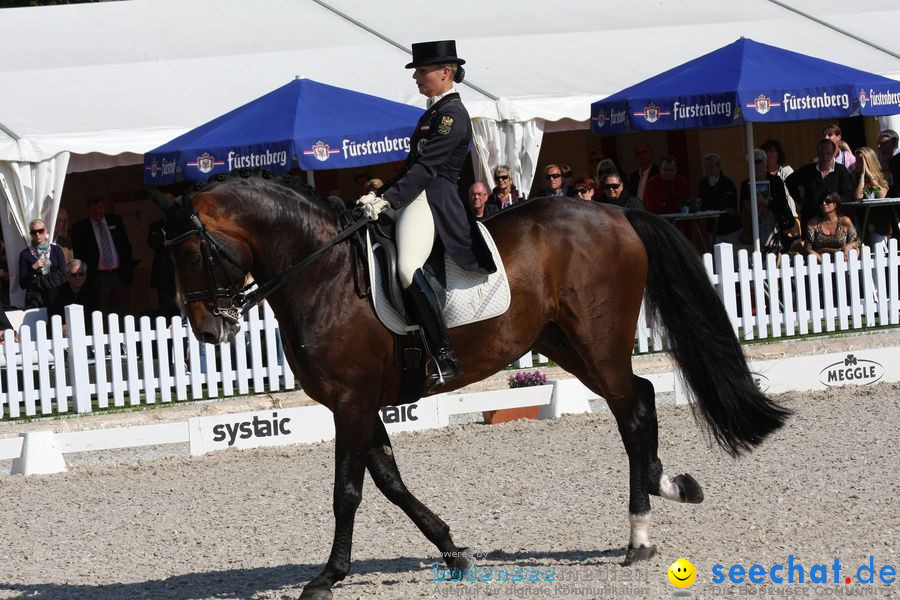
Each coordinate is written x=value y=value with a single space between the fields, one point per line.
x=305 y=123
x=746 y=82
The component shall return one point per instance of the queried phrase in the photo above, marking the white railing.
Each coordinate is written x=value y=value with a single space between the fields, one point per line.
x=130 y=362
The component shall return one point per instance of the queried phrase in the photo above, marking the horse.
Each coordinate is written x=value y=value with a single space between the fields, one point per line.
x=578 y=272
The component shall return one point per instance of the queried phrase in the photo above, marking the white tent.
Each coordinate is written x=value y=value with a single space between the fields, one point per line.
x=108 y=81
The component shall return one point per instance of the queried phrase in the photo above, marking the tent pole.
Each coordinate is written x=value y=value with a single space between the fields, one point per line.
x=310 y=179
x=754 y=211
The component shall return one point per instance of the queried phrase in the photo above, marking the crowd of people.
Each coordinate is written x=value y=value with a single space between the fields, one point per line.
x=91 y=264
x=798 y=210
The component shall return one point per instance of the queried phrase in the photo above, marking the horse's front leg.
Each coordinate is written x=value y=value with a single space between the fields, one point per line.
x=383 y=469
x=353 y=438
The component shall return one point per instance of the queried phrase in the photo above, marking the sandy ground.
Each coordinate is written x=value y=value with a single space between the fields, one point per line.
x=549 y=497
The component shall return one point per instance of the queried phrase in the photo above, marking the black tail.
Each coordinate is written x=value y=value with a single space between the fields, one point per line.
x=682 y=299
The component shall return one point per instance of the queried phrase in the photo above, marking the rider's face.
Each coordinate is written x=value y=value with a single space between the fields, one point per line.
x=431 y=79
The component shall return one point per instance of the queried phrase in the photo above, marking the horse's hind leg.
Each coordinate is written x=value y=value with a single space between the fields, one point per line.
x=681 y=488
x=383 y=469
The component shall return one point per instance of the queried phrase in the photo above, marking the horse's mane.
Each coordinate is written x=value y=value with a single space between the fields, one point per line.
x=283 y=198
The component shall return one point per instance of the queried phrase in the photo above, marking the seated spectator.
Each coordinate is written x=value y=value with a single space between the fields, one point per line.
x=553 y=175
x=668 y=191
x=809 y=184
x=637 y=181
x=613 y=191
x=717 y=192
x=830 y=231
x=41 y=267
x=775 y=159
x=74 y=291
x=869 y=180
x=584 y=188
x=478 y=199
x=842 y=153
x=779 y=226
x=505 y=194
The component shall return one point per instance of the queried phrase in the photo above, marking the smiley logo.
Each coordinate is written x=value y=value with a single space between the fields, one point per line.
x=682 y=573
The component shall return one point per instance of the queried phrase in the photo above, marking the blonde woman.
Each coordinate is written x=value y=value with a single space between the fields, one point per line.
x=42 y=267
x=869 y=178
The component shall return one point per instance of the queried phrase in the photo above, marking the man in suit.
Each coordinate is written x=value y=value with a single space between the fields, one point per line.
x=101 y=242
x=637 y=181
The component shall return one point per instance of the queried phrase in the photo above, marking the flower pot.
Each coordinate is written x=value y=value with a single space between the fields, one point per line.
x=493 y=417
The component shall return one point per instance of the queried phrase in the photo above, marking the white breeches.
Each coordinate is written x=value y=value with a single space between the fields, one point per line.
x=415 y=238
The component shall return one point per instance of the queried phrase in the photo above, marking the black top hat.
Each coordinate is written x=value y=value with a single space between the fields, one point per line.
x=433 y=53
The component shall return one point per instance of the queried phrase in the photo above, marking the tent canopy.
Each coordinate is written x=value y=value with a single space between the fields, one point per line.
x=116 y=79
x=746 y=81
x=323 y=126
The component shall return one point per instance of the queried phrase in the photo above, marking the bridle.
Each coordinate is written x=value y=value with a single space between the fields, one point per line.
x=230 y=303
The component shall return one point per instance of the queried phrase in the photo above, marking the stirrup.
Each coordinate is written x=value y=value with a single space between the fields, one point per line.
x=447 y=369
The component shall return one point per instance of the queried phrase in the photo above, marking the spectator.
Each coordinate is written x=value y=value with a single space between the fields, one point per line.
x=478 y=199
x=162 y=270
x=842 y=153
x=553 y=175
x=373 y=185
x=584 y=188
x=637 y=182
x=74 y=291
x=829 y=231
x=776 y=163
x=604 y=168
x=888 y=141
x=717 y=192
x=41 y=267
x=361 y=183
x=61 y=234
x=101 y=242
x=779 y=226
x=505 y=194
x=668 y=191
x=568 y=177
x=817 y=180
x=868 y=178
x=613 y=191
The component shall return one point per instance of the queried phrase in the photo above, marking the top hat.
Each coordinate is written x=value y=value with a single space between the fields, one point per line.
x=433 y=53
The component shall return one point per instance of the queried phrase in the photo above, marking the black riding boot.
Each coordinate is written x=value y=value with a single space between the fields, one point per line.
x=428 y=313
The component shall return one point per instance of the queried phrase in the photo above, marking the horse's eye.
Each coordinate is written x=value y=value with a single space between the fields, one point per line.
x=196 y=260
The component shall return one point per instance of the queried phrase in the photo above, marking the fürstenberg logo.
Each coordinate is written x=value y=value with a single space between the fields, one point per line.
x=852 y=370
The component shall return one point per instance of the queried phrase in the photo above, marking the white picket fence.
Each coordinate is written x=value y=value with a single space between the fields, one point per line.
x=130 y=362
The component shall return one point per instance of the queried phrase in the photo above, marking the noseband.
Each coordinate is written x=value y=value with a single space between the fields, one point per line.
x=230 y=303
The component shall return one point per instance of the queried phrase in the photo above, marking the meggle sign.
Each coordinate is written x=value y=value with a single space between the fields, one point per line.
x=852 y=371
x=301 y=425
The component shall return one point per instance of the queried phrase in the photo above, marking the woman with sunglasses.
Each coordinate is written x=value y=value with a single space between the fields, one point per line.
x=830 y=231
x=41 y=267
x=505 y=193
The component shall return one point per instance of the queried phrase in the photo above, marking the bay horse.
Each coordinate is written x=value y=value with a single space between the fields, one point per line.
x=578 y=272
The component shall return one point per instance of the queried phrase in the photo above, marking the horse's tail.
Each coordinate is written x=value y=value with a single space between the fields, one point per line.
x=681 y=298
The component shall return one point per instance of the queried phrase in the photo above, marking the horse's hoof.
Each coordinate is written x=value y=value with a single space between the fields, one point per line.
x=689 y=489
x=462 y=561
x=635 y=554
x=316 y=594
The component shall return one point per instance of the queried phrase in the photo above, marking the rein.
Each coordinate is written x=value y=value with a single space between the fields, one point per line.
x=240 y=301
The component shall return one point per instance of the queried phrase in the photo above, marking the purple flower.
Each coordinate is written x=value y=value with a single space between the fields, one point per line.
x=526 y=379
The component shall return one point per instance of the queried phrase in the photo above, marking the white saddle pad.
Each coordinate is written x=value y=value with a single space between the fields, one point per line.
x=471 y=297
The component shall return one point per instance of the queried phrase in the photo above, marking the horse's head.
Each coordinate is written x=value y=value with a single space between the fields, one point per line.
x=211 y=262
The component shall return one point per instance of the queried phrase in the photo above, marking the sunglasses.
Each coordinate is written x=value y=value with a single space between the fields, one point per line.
x=827 y=201
x=553 y=176
x=37 y=231
x=501 y=177
x=612 y=186
x=582 y=190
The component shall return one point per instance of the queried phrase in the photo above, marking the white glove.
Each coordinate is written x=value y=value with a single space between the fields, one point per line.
x=372 y=205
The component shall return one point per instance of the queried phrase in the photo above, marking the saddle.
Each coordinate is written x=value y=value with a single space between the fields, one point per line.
x=465 y=297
